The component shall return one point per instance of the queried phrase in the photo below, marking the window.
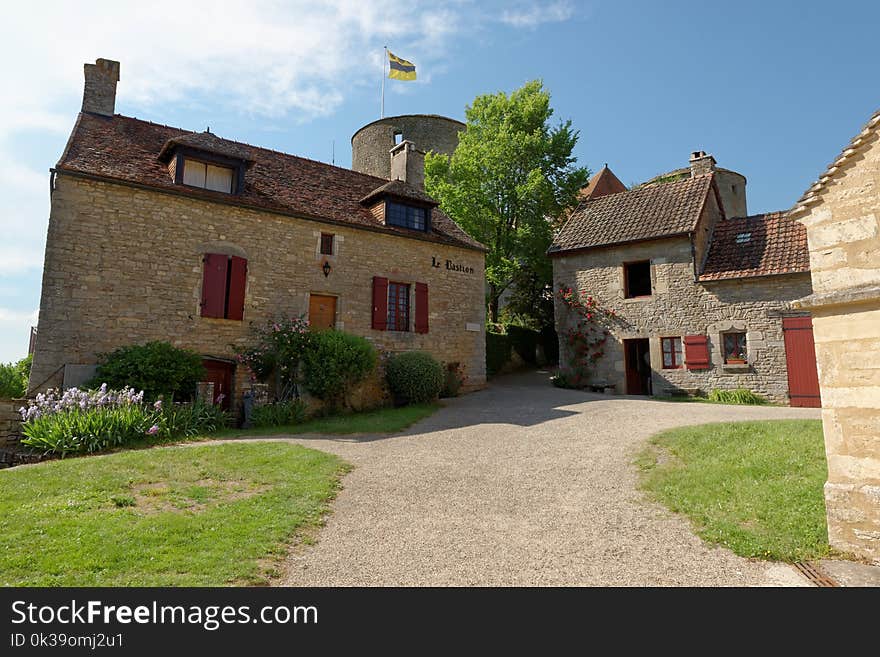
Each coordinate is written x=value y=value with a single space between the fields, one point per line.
x=734 y=345
x=406 y=216
x=637 y=279
x=207 y=176
x=398 y=137
x=672 y=357
x=223 y=286
x=743 y=238
x=398 y=307
x=326 y=244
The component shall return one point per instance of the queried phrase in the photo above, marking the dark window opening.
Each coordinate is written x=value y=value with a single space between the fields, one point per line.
x=326 y=244
x=406 y=216
x=672 y=355
x=637 y=277
x=398 y=307
x=734 y=348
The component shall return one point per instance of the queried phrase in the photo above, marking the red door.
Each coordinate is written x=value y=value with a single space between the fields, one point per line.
x=800 y=356
x=219 y=373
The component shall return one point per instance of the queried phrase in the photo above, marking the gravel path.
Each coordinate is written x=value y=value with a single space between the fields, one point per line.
x=520 y=484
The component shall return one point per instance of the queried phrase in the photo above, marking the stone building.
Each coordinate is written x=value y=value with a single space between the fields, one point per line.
x=841 y=213
x=703 y=298
x=158 y=233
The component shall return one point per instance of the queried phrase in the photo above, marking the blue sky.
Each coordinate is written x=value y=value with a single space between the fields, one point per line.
x=773 y=89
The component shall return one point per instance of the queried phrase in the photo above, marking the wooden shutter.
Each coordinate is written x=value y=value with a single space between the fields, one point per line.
x=237 y=283
x=380 y=303
x=214 y=285
x=696 y=352
x=421 y=308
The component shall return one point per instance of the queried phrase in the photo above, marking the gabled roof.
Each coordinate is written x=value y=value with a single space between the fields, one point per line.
x=759 y=245
x=401 y=190
x=126 y=150
x=602 y=184
x=814 y=193
x=649 y=212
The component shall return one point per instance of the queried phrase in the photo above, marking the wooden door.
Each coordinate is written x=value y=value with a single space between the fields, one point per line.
x=322 y=311
x=638 y=368
x=800 y=358
x=220 y=373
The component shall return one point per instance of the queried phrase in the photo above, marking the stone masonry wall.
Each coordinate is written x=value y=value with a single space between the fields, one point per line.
x=124 y=265
x=371 y=145
x=679 y=307
x=10 y=422
x=843 y=232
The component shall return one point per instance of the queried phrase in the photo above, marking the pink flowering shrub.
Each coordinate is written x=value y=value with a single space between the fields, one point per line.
x=585 y=337
x=279 y=348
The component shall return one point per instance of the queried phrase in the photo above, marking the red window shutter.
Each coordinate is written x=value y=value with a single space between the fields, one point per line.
x=237 y=283
x=696 y=352
x=380 y=303
x=214 y=285
x=421 y=308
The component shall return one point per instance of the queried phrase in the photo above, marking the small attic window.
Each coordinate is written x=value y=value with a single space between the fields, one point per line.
x=208 y=176
x=407 y=216
x=398 y=137
x=743 y=238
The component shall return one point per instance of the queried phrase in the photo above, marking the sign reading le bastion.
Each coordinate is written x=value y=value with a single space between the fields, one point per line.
x=451 y=265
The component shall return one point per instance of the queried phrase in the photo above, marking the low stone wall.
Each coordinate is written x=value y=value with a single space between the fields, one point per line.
x=10 y=422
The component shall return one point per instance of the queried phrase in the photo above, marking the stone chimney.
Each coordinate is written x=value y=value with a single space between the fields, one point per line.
x=408 y=164
x=99 y=93
x=701 y=163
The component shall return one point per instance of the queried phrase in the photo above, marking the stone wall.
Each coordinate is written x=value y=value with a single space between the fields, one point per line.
x=371 y=145
x=124 y=265
x=10 y=422
x=843 y=232
x=679 y=307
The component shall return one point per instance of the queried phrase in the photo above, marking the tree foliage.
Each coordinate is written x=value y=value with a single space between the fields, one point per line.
x=510 y=176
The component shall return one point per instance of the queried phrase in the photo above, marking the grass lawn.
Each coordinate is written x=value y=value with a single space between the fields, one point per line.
x=383 y=420
x=754 y=487
x=202 y=515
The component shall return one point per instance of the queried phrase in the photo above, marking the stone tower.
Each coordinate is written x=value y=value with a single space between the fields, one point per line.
x=371 y=145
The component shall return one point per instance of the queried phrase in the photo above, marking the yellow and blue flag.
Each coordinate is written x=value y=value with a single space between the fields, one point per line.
x=400 y=69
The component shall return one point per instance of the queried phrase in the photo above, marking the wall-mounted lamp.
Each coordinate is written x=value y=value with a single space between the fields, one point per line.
x=326 y=269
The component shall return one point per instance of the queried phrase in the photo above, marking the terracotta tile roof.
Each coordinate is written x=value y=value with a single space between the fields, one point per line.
x=649 y=212
x=401 y=190
x=812 y=195
x=127 y=150
x=602 y=184
x=760 y=245
x=209 y=143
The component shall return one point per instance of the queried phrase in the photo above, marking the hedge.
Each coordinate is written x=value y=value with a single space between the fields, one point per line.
x=498 y=348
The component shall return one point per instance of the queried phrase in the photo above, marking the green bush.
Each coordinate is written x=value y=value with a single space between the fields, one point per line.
x=524 y=342
x=335 y=361
x=14 y=378
x=454 y=380
x=158 y=368
x=198 y=419
x=415 y=377
x=497 y=352
x=737 y=396
x=279 y=414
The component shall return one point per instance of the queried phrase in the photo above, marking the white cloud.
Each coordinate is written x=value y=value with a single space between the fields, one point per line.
x=535 y=14
x=15 y=329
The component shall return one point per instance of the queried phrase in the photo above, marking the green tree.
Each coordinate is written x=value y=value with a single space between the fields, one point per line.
x=511 y=175
x=14 y=378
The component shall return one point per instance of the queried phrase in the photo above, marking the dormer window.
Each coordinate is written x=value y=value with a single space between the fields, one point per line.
x=208 y=176
x=406 y=216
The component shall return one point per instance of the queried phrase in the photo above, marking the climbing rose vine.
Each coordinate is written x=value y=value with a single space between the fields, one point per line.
x=586 y=336
x=280 y=345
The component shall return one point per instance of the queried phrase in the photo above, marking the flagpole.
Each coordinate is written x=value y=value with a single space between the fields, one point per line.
x=384 y=59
